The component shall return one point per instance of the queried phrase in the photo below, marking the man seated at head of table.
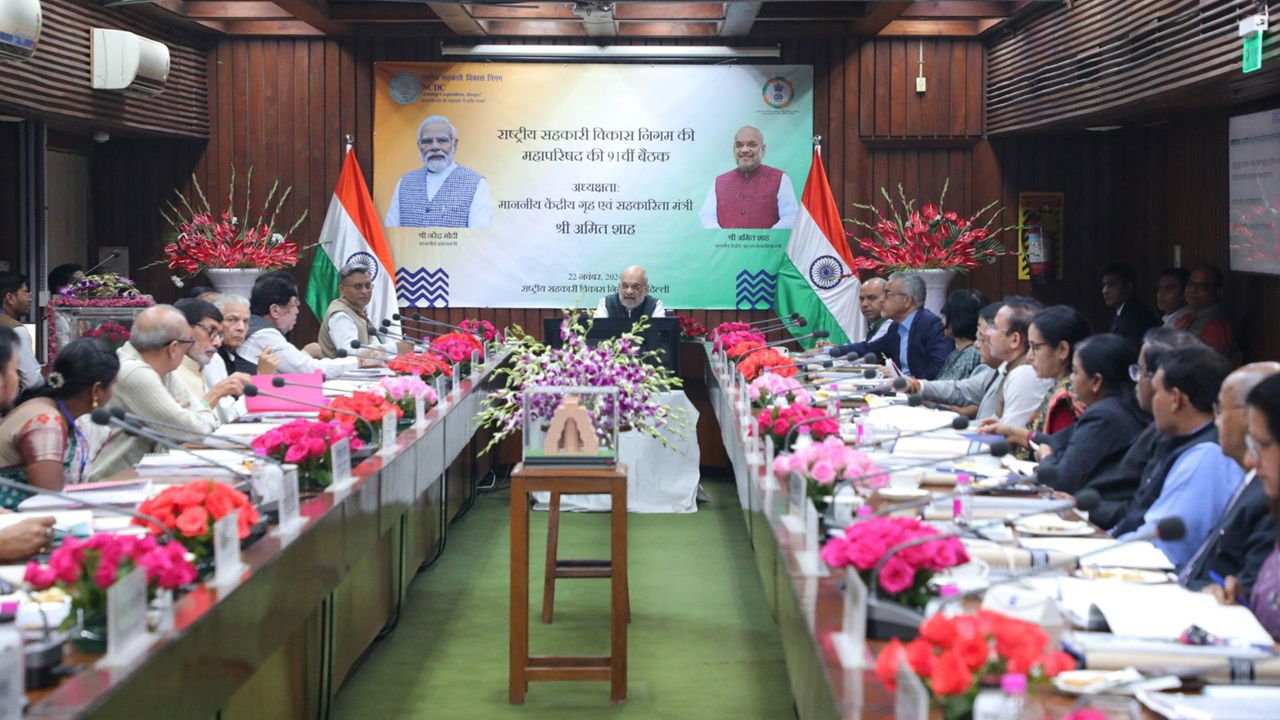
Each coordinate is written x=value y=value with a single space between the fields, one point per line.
x=915 y=341
x=1188 y=475
x=39 y=442
x=1263 y=434
x=1118 y=484
x=274 y=308
x=632 y=299
x=1240 y=543
x=148 y=387
x=1100 y=437
x=206 y=323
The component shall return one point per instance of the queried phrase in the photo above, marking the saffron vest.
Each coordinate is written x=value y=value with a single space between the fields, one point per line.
x=451 y=207
x=327 y=346
x=747 y=200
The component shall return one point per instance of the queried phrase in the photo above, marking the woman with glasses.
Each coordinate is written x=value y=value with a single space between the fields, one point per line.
x=1100 y=383
x=1263 y=456
x=39 y=442
x=1052 y=337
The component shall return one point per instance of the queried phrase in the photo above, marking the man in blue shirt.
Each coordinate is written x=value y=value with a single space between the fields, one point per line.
x=1197 y=481
x=915 y=340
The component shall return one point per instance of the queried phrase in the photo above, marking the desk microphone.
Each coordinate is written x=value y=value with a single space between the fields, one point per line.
x=420 y=320
x=816 y=335
x=252 y=390
x=784 y=325
x=141 y=421
x=104 y=262
x=386 y=324
x=406 y=359
x=793 y=317
x=103 y=416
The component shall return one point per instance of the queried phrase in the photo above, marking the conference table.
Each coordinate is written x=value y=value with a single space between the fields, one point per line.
x=809 y=610
x=281 y=641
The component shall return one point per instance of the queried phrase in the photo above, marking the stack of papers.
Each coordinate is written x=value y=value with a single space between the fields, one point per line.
x=1142 y=555
x=1216 y=702
x=211 y=462
x=1128 y=609
x=122 y=494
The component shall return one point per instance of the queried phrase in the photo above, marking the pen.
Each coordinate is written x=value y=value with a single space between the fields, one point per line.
x=1214 y=576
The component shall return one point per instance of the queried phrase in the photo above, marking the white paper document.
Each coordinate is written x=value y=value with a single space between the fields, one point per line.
x=1142 y=555
x=1128 y=609
x=1216 y=702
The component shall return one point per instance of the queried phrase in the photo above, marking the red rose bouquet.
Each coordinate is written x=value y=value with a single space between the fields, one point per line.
x=777 y=422
x=482 y=329
x=306 y=444
x=905 y=576
x=428 y=365
x=113 y=334
x=756 y=363
x=691 y=329
x=953 y=652
x=85 y=569
x=926 y=238
x=457 y=346
x=204 y=239
x=370 y=406
x=190 y=510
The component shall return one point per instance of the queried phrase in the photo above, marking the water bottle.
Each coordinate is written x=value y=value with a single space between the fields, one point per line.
x=1005 y=703
x=962 y=504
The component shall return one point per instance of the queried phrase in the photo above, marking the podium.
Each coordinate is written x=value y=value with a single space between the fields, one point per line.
x=525 y=668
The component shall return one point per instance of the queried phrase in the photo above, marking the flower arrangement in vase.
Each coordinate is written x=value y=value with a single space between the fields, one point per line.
x=404 y=390
x=208 y=240
x=753 y=363
x=691 y=329
x=85 y=569
x=113 y=335
x=372 y=406
x=772 y=388
x=306 y=444
x=188 y=511
x=457 y=347
x=904 y=238
x=482 y=329
x=777 y=422
x=823 y=463
x=619 y=362
x=426 y=365
x=904 y=578
x=953 y=653
x=100 y=287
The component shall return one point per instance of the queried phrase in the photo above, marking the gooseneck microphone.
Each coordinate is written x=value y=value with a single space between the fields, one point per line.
x=103 y=416
x=141 y=421
x=104 y=262
x=252 y=390
x=793 y=317
x=816 y=335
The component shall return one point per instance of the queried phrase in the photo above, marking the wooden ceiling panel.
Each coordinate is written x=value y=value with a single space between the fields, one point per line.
x=543 y=28
x=668 y=29
x=524 y=11
x=669 y=11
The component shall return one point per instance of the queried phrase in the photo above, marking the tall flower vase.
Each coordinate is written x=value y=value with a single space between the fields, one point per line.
x=935 y=288
x=233 y=281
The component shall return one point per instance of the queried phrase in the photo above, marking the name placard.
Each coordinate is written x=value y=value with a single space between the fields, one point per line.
x=420 y=410
x=226 y=549
x=442 y=392
x=911 y=700
x=290 y=515
x=475 y=363
x=340 y=457
x=851 y=642
x=126 y=616
x=388 y=434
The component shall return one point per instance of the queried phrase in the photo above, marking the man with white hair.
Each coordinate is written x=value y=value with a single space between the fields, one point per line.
x=915 y=340
x=441 y=193
x=632 y=299
x=146 y=386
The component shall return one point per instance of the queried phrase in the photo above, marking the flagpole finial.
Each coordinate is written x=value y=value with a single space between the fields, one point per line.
x=817 y=140
x=350 y=140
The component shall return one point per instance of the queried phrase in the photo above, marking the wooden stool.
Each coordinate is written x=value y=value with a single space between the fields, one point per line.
x=576 y=568
x=611 y=667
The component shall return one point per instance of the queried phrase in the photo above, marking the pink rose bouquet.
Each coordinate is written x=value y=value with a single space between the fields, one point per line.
x=774 y=389
x=402 y=391
x=777 y=422
x=482 y=329
x=905 y=576
x=746 y=338
x=306 y=444
x=823 y=463
x=457 y=347
x=85 y=569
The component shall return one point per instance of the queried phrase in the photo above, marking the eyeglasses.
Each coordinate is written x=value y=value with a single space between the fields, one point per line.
x=1136 y=374
x=359 y=286
x=891 y=293
x=213 y=331
x=1035 y=346
x=190 y=341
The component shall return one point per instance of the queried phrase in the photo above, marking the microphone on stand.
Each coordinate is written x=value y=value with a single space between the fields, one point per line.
x=139 y=420
x=418 y=318
x=37 y=490
x=816 y=334
x=105 y=260
x=103 y=416
x=252 y=390
x=424 y=332
x=784 y=325
x=793 y=317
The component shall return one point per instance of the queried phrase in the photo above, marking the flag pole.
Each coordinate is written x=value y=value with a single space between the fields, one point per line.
x=350 y=140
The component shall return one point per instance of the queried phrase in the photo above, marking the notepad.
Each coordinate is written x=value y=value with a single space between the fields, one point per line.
x=124 y=494
x=308 y=390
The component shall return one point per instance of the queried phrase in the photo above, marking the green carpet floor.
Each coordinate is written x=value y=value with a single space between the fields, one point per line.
x=702 y=643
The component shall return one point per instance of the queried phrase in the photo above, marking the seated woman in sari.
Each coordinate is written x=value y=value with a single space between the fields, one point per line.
x=39 y=442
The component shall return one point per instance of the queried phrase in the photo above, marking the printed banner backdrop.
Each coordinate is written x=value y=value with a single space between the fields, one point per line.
x=568 y=173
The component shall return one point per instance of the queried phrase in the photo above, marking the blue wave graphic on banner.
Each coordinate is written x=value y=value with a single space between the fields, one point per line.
x=423 y=287
x=756 y=290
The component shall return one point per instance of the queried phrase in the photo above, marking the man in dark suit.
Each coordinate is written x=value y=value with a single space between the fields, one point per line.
x=1244 y=537
x=1131 y=318
x=915 y=340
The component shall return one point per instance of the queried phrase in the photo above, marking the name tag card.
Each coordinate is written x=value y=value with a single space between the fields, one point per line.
x=442 y=391
x=911 y=700
x=388 y=434
x=126 y=617
x=807 y=557
x=340 y=457
x=420 y=410
x=290 y=516
x=770 y=481
x=794 y=519
x=164 y=603
x=475 y=363
x=851 y=642
x=457 y=379
x=226 y=550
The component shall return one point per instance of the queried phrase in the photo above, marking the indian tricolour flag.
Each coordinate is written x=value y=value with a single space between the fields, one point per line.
x=816 y=279
x=352 y=232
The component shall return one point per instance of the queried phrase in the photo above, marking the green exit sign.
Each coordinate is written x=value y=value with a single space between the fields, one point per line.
x=1252 y=57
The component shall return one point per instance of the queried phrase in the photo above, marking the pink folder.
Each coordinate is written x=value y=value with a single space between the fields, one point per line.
x=284 y=402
